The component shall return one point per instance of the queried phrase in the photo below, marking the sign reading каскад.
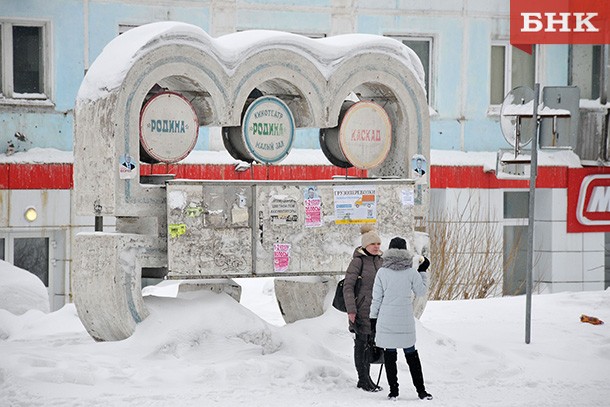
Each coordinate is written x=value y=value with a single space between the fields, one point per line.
x=365 y=135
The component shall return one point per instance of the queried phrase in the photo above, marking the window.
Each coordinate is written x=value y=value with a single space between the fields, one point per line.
x=123 y=28
x=585 y=70
x=24 y=61
x=422 y=46
x=498 y=74
x=515 y=260
x=516 y=213
x=510 y=67
x=42 y=252
x=516 y=204
x=32 y=254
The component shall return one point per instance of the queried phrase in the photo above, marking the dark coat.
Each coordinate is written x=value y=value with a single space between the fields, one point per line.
x=362 y=304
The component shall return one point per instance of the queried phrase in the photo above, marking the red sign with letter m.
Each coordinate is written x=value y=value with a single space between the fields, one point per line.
x=588 y=200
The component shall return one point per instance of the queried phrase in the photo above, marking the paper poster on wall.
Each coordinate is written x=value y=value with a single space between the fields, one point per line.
x=281 y=257
x=407 y=197
x=419 y=165
x=176 y=229
x=313 y=207
x=283 y=210
x=355 y=204
x=127 y=168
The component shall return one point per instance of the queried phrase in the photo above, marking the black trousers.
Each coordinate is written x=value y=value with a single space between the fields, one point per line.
x=363 y=367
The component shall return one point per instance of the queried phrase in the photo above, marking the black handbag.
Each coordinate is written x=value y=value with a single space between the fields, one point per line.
x=339 y=299
x=374 y=354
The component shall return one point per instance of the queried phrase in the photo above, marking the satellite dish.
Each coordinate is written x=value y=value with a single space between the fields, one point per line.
x=516 y=117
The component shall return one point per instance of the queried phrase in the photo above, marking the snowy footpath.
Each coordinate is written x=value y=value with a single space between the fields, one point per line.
x=205 y=349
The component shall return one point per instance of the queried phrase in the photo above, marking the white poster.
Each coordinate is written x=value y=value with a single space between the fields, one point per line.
x=355 y=204
x=127 y=168
x=407 y=197
x=283 y=210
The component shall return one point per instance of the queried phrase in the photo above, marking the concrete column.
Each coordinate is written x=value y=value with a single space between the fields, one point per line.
x=302 y=297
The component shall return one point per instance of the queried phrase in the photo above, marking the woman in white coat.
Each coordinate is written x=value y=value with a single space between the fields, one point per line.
x=392 y=312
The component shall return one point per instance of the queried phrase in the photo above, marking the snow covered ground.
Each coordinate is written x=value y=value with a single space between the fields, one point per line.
x=205 y=349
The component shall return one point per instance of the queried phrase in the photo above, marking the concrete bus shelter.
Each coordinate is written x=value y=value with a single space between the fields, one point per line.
x=218 y=77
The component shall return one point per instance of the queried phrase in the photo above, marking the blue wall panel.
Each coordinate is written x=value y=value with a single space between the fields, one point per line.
x=459 y=77
x=292 y=21
x=445 y=135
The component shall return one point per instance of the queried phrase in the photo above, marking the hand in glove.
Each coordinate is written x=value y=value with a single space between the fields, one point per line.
x=424 y=265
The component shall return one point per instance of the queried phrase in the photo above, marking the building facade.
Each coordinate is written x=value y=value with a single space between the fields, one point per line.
x=47 y=47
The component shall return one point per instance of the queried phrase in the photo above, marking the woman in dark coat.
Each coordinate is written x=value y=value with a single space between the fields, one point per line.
x=364 y=265
x=392 y=313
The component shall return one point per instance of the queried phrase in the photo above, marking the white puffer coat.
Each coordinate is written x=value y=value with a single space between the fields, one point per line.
x=392 y=304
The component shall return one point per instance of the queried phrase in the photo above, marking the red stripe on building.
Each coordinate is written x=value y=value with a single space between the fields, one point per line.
x=4 y=176
x=464 y=177
x=59 y=176
x=36 y=176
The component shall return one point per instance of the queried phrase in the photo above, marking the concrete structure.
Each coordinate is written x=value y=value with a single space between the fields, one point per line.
x=223 y=286
x=300 y=298
x=236 y=222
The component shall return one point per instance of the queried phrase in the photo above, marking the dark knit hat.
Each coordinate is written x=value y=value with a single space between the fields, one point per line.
x=398 y=243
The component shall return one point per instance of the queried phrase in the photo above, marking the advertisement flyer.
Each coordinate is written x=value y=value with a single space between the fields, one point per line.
x=355 y=204
x=313 y=207
x=281 y=257
x=283 y=210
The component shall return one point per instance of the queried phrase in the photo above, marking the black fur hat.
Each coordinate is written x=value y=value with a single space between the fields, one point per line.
x=398 y=243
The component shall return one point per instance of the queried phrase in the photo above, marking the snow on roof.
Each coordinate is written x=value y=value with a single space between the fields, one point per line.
x=527 y=109
x=109 y=69
x=38 y=155
x=111 y=66
x=485 y=159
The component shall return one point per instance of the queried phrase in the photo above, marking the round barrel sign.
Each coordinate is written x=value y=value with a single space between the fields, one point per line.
x=268 y=129
x=365 y=135
x=168 y=128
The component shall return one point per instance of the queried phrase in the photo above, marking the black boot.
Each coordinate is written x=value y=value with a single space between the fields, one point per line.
x=417 y=376
x=391 y=372
x=362 y=366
